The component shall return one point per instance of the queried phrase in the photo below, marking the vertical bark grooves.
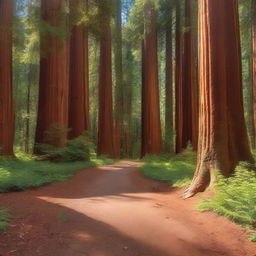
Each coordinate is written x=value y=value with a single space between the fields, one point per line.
x=151 y=125
x=253 y=71
x=118 y=59
x=186 y=99
x=6 y=97
x=169 y=89
x=223 y=140
x=54 y=78
x=79 y=76
x=105 y=119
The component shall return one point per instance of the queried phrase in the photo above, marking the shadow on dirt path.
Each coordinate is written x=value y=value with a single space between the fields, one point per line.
x=114 y=211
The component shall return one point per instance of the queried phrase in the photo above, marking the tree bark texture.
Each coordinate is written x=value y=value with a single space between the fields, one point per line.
x=54 y=78
x=6 y=97
x=151 y=125
x=186 y=97
x=79 y=76
x=223 y=140
x=105 y=118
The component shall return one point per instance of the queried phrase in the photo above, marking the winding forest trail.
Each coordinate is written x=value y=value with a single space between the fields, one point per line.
x=114 y=211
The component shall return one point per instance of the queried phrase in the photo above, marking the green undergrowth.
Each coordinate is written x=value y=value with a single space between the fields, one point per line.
x=177 y=170
x=235 y=198
x=25 y=172
x=4 y=218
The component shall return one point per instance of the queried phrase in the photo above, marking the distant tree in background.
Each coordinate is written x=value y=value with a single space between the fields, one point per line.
x=52 y=120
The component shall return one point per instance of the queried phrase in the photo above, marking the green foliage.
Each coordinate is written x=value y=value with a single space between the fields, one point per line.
x=78 y=149
x=177 y=170
x=24 y=172
x=235 y=197
x=4 y=218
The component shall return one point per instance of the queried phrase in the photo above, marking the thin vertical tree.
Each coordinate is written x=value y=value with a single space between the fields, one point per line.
x=223 y=140
x=118 y=62
x=186 y=96
x=105 y=118
x=52 y=122
x=253 y=72
x=6 y=97
x=79 y=74
x=169 y=122
x=151 y=125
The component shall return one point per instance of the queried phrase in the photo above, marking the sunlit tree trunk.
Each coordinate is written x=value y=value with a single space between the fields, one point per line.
x=79 y=75
x=151 y=125
x=54 y=78
x=6 y=97
x=187 y=118
x=105 y=119
x=223 y=140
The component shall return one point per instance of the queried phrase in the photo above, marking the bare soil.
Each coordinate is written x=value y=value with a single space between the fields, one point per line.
x=114 y=211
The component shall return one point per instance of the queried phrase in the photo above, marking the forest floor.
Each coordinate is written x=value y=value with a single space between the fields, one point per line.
x=113 y=211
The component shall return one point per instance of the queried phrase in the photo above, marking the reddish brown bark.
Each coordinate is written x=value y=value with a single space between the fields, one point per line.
x=6 y=98
x=54 y=78
x=151 y=125
x=79 y=76
x=118 y=61
x=186 y=97
x=223 y=140
x=105 y=119
x=253 y=73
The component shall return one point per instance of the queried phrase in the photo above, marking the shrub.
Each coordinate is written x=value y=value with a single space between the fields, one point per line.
x=78 y=149
x=235 y=197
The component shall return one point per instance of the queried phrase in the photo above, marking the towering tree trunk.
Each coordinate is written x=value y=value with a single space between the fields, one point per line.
x=119 y=102
x=54 y=78
x=128 y=102
x=223 y=138
x=151 y=125
x=79 y=76
x=105 y=119
x=253 y=72
x=186 y=97
x=169 y=124
x=6 y=97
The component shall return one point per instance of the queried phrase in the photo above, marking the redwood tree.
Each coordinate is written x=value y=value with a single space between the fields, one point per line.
x=118 y=61
x=105 y=118
x=79 y=75
x=54 y=78
x=151 y=125
x=6 y=98
x=223 y=140
x=186 y=100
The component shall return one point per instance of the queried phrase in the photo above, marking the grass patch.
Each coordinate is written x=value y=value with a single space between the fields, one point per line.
x=24 y=172
x=177 y=170
x=235 y=198
x=4 y=218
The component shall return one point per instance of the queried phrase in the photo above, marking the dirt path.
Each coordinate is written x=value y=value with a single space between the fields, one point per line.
x=114 y=211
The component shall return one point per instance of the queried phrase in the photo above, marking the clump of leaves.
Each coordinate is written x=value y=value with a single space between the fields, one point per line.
x=235 y=197
x=78 y=149
x=4 y=218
